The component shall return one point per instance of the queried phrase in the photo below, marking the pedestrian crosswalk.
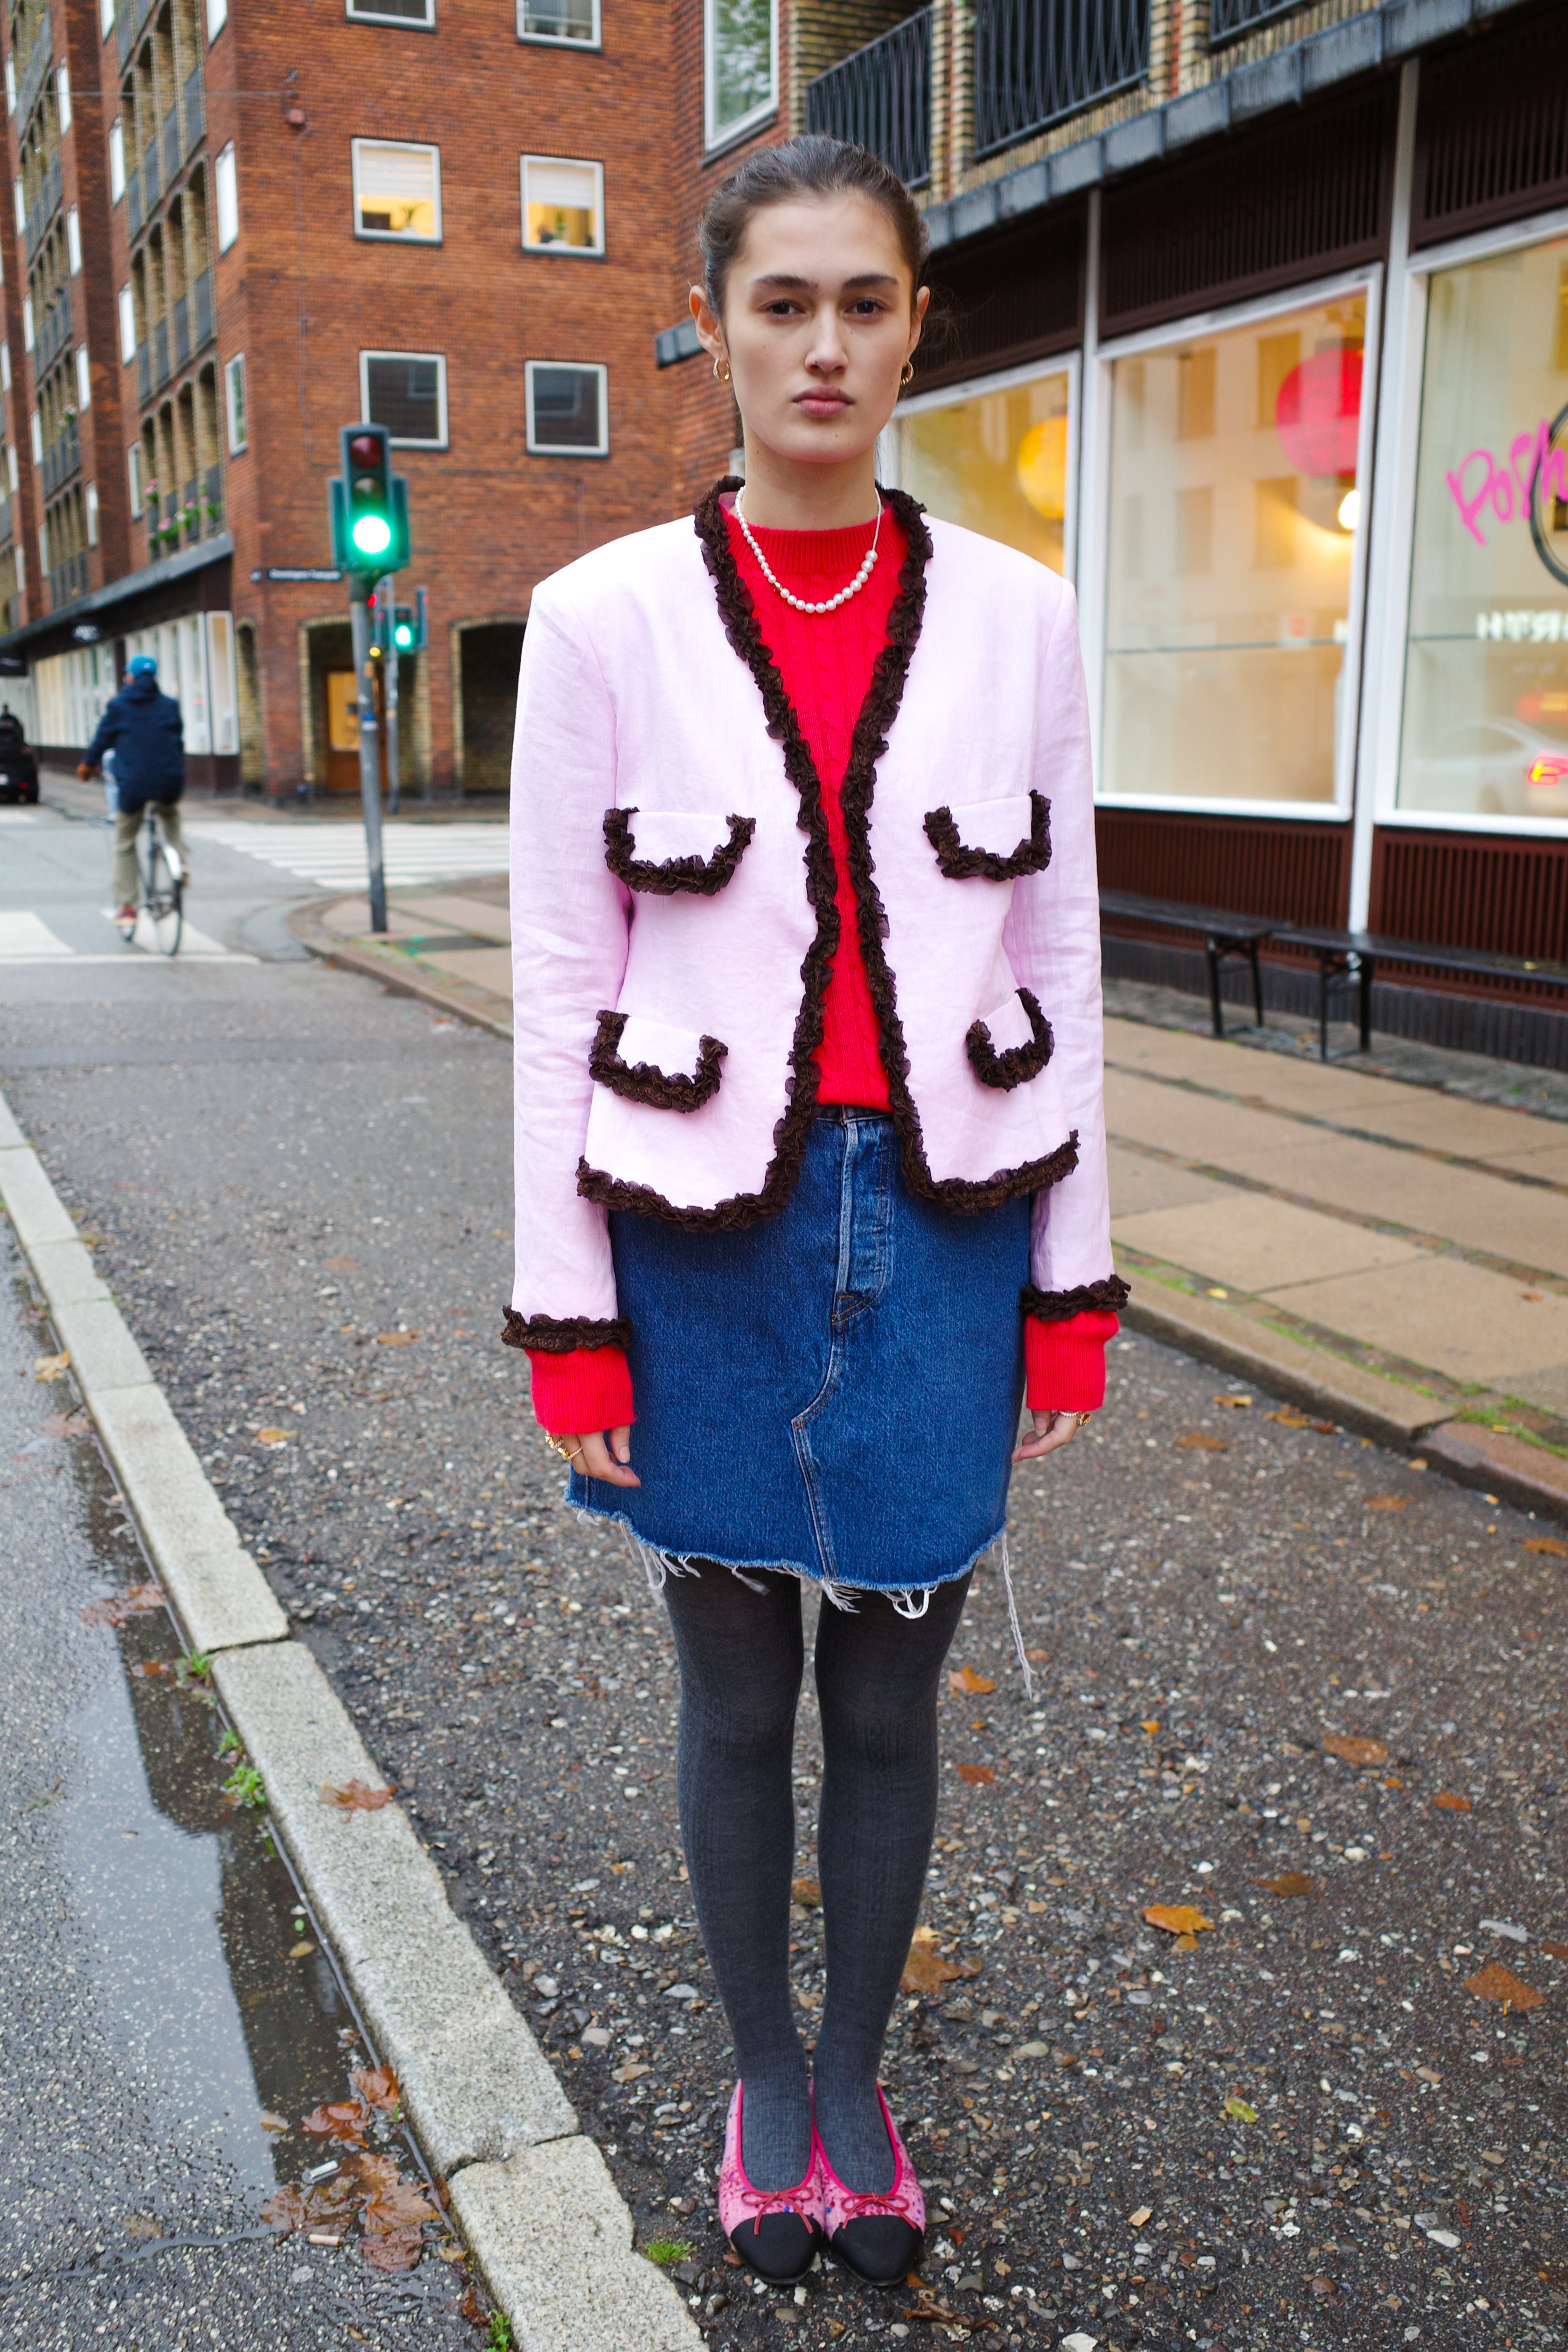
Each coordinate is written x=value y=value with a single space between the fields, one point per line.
x=26 y=939
x=332 y=855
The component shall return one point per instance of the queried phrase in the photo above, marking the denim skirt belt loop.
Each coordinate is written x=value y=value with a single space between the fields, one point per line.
x=833 y=1392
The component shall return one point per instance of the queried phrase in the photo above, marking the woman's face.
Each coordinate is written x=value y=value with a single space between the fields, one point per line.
x=818 y=325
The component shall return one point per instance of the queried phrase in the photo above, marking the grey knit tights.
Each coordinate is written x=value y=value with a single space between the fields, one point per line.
x=741 y=1654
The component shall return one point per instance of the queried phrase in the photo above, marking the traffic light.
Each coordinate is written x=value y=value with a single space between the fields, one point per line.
x=369 y=504
x=411 y=626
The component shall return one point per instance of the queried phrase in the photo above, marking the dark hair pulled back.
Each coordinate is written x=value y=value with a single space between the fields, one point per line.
x=811 y=166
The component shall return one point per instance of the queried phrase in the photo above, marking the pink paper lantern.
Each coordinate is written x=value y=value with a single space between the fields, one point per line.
x=1318 y=413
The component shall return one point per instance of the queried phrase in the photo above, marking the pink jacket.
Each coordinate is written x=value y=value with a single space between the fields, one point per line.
x=673 y=916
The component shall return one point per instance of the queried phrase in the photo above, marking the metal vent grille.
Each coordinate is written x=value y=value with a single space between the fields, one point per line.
x=1253 y=865
x=997 y=305
x=1491 y=137
x=1288 y=204
x=1504 y=897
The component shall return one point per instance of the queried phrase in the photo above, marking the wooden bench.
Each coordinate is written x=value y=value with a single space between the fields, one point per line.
x=1353 y=957
x=1226 y=938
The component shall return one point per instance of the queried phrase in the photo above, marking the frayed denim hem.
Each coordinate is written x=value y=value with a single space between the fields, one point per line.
x=909 y=1601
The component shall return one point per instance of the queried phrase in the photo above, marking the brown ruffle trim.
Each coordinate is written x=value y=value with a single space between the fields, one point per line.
x=1014 y=1064
x=959 y=1196
x=1107 y=1297
x=703 y=875
x=961 y=864
x=641 y=1082
x=553 y=1337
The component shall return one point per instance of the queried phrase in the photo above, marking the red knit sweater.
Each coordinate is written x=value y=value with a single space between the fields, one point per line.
x=826 y=660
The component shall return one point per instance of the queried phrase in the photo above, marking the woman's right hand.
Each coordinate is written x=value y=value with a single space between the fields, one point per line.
x=591 y=1458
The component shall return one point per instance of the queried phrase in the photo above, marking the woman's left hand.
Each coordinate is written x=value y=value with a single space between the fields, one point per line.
x=1051 y=1431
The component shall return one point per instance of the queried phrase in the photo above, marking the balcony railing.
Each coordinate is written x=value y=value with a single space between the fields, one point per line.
x=35 y=70
x=1037 y=61
x=879 y=98
x=133 y=203
x=68 y=580
x=160 y=354
x=1229 y=17
x=194 y=109
x=151 y=183
x=5 y=518
x=53 y=335
x=45 y=203
x=172 y=150
x=212 y=494
x=144 y=372
x=205 y=325
x=124 y=31
x=182 y=331
x=61 y=459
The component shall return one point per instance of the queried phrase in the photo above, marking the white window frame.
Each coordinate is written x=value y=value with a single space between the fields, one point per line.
x=10 y=85
x=1396 y=527
x=226 y=193
x=63 y=94
x=236 y=415
x=28 y=334
x=1095 y=580
x=217 y=17
x=90 y=505
x=116 y=161
x=716 y=137
x=133 y=479
x=5 y=367
x=13 y=471
x=83 y=378
x=396 y=235
x=561 y=40
x=105 y=18
x=889 y=449
x=73 y=241
x=566 y=252
x=127 y=308
x=21 y=195
x=440 y=359
x=555 y=448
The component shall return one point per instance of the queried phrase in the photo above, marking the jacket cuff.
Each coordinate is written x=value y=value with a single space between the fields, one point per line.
x=1065 y=1362
x=552 y=1337
x=1061 y=1305
x=587 y=1389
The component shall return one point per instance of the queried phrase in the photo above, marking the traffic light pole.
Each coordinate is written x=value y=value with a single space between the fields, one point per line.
x=389 y=670
x=369 y=745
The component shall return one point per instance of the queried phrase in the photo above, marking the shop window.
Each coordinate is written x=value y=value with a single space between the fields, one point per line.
x=575 y=21
x=568 y=410
x=1485 y=728
x=563 y=206
x=1230 y=559
x=406 y=392
x=739 y=45
x=994 y=460
x=397 y=191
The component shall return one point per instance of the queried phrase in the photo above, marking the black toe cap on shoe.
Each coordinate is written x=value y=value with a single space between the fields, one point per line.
x=879 y=2248
x=779 y=2247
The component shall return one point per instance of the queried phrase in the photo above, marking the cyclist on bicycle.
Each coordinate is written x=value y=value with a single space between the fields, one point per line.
x=147 y=734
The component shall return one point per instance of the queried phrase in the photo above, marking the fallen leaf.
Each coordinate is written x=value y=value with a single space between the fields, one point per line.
x=1387 y=1502
x=806 y=1893
x=340 y=2120
x=1239 y=2111
x=1176 y=1918
x=1187 y=1943
x=473 y=2310
x=1144 y=2213
x=1494 y=1982
x=52 y=1368
x=273 y=1437
x=357 y=1797
x=966 y=1679
x=925 y=1970
x=1195 y=1441
x=1289 y=1417
x=377 y=2086
x=1150 y=1724
x=392 y=2220
x=1555 y=1951
x=1235 y=1404
x=395 y=1339
x=1547 y=1544
x=270 y=2122
x=301 y=1951
x=1290 y=1884
x=151 y=1666
x=1428 y=2074
x=77 y=1424
x=941 y=2315
x=979 y=1775
x=1351 y=1750
x=1036 y=1657
x=633 y=2072
x=1450 y=1803
x=136 y=1601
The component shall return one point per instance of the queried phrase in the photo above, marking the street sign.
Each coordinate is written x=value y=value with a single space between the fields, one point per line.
x=299 y=571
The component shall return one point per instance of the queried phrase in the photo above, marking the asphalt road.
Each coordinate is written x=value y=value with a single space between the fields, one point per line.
x=1306 y=2130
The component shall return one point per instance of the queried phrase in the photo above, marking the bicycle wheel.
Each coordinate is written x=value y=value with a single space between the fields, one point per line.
x=163 y=900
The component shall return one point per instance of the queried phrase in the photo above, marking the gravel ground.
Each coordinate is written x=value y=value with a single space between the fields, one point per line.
x=1300 y=2129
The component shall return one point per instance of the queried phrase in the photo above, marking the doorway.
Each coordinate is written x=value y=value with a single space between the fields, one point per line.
x=489 y=654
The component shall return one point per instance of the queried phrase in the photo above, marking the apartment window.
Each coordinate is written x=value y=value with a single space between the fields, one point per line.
x=568 y=410
x=1231 y=552
x=63 y=94
x=397 y=191
x=739 y=51
x=21 y=196
x=234 y=404
x=5 y=367
x=73 y=242
x=10 y=86
x=1484 y=736
x=133 y=481
x=91 y=507
x=105 y=18
x=116 y=161
x=575 y=21
x=217 y=17
x=83 y=378
x=226 y=177
x=563 y=206
x=392 y=12
x=127 y=327
x=406 y=392
x=26 y=323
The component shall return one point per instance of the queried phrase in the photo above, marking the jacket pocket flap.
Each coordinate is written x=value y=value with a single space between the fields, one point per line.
x=648 y=1061
x=995 y=840
x=1011 y=1044
x=666 y=850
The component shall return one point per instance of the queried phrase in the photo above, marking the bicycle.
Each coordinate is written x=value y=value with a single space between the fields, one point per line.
x=161 y=879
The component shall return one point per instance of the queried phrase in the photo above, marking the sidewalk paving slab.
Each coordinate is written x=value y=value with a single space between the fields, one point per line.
x=1259 y=1244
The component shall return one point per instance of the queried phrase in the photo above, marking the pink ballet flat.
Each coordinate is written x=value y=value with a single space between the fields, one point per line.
x=880 y=2239
x=775 y=2231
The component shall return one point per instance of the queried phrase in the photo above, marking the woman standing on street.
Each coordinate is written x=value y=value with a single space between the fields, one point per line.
x=810 y=1150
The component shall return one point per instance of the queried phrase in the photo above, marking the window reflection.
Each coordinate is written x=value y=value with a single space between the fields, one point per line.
x=995 y=462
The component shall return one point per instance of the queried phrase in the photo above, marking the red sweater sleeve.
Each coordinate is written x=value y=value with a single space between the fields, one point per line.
x=585 y=1388
x=1065 y=1362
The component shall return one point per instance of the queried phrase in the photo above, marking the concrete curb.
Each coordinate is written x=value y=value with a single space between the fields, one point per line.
x=461 y=998
x=543 y=2219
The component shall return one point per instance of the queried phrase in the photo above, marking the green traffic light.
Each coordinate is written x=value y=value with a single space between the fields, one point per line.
x=404 y=636
x=372 y=534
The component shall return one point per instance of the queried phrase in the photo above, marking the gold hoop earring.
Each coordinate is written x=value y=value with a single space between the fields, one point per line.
x=908 y=374
x=720 y=371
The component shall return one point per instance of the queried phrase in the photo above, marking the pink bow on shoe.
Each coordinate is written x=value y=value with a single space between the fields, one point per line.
x=786 y=2254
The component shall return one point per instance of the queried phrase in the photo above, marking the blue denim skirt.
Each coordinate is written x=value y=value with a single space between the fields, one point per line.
x=834 y=1391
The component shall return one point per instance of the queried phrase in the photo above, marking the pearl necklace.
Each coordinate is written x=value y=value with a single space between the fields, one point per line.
x=799 y=602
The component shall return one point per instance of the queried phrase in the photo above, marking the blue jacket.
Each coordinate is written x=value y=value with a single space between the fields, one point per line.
x=147 y=734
